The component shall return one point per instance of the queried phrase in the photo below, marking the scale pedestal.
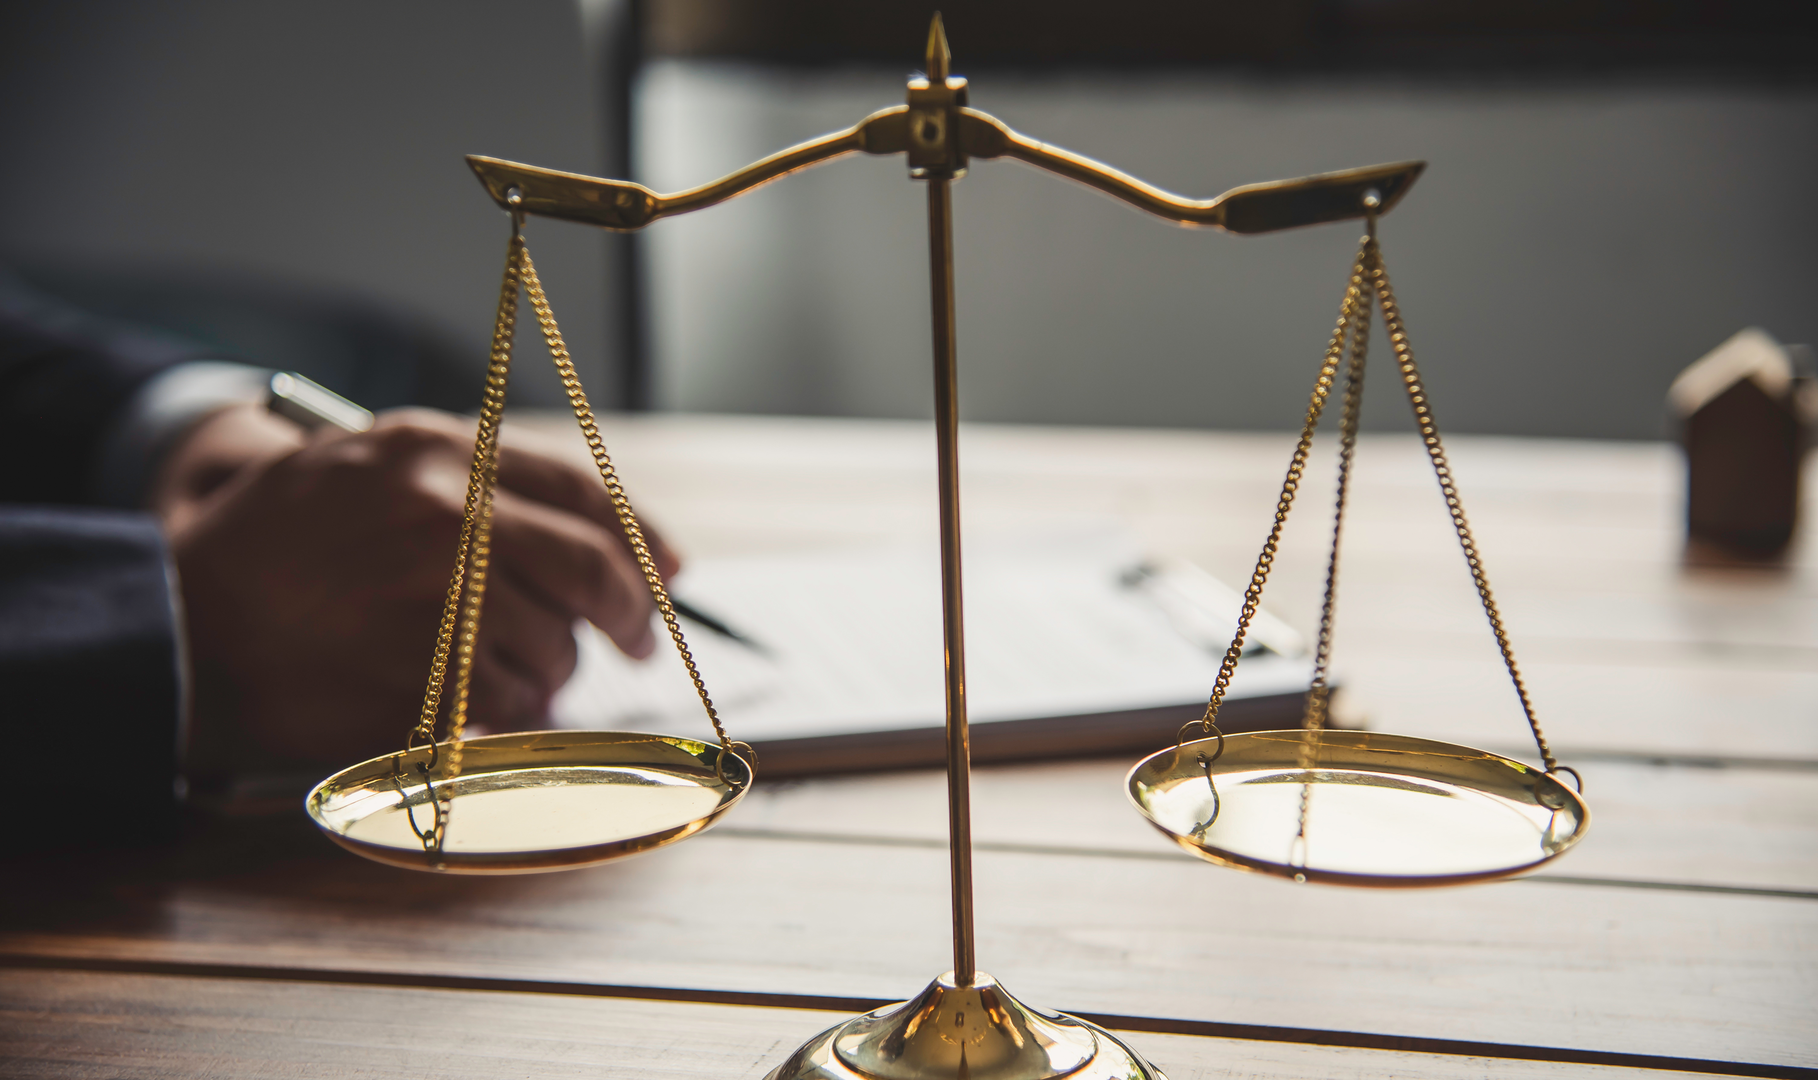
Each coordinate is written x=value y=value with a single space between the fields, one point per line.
x=979 y=1032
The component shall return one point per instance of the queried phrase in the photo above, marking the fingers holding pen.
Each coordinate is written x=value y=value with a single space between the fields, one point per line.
x=541 y=477
x=572 y=566
x=502 y=698
x=555 y=534
x=532 y=641
x=558 y=483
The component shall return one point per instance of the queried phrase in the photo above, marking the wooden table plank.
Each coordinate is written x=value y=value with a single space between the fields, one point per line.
x=1621 y=969
x=839 y=887
x=1626 y=649
x=78 y=1025
x=1717 y=709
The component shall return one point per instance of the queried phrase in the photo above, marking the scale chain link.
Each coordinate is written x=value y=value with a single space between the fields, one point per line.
x=640 y=547
x=1319 y=692
x=1429 y=432
x=1369 y=287
x=458 y=634
x=1322 y=389
x=467 y=586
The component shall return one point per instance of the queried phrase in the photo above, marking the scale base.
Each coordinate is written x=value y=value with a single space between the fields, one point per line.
x=977 y=1032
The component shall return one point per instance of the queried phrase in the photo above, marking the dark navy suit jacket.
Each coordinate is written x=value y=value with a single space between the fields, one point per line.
x=90 y=678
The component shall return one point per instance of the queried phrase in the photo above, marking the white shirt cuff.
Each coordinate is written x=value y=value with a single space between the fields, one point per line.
x=158 y=415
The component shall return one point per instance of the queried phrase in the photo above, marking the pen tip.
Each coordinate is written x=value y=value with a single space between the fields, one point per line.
x=940 y=58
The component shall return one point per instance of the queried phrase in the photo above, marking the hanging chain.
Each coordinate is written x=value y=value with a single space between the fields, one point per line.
x=1319 y=692
x=467 y=586
x=1322 y=389
x=628 y=521
x=458 y=634
x=1429 y=433
x=1369 y=285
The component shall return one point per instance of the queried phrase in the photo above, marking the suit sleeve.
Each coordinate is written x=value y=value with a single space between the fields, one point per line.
x=89 y=673
x=65 y=380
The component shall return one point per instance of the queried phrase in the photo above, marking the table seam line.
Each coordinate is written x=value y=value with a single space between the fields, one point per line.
x=1012 y=848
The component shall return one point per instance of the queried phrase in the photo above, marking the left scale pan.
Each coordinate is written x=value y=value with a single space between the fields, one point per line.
x=530 y=801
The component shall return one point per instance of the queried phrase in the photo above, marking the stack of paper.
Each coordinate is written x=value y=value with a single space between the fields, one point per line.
x=1073 y=645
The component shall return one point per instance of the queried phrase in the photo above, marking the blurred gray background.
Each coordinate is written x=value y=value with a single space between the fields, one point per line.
x=1582 y=233
x=236 y=148
x=1570 y=248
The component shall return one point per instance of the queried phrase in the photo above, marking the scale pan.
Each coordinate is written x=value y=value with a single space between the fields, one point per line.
x=531 y=801
x=1381 y=810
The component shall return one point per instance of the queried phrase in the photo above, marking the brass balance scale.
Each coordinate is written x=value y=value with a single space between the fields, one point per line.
x=1311 y=804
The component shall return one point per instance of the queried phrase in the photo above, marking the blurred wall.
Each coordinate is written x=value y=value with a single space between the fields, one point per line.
x=314 y=143
x=1573 y=244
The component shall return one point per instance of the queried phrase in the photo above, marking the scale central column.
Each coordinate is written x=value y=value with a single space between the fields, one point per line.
x=953 y=618
x=936 y=158
x=964 y=1025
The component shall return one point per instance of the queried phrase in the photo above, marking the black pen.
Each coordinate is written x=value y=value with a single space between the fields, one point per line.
x=311 y=405
x=694 y=614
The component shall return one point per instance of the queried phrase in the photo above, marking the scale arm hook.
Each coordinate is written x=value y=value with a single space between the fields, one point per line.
x=623 y=206
x=1253 y=208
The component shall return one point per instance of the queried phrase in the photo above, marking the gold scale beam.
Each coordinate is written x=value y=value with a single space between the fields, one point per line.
x=928 y=1036
x=623 y=206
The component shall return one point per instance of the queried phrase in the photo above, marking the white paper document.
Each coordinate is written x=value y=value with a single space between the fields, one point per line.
x=850 y=642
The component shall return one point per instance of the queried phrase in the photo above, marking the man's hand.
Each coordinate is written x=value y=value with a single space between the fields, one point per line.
x=314 y=570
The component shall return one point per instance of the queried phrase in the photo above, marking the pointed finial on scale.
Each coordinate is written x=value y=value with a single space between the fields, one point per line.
x=940 y=58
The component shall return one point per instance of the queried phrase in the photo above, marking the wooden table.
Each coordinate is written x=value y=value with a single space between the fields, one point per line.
x=1681 y=936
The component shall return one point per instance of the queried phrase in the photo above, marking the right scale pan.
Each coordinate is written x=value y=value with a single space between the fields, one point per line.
x=1357 y=807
